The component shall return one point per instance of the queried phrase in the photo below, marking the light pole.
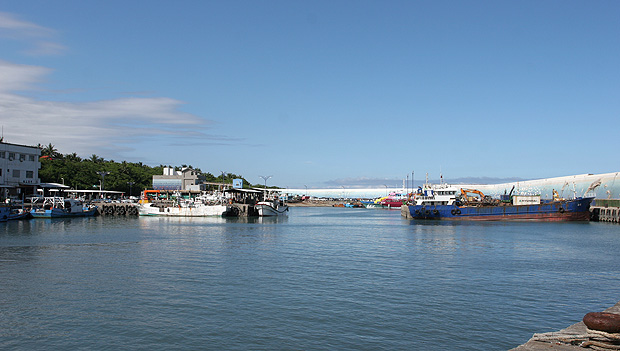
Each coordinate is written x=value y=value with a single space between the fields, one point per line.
x=223 y=175
x=306 y=190
x=130 y=185
x=102 y=174
x=265 y=179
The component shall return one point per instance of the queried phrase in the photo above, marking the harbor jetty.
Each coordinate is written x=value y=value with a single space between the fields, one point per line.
x=606 y=210
x=576 y=337
x=116 y=209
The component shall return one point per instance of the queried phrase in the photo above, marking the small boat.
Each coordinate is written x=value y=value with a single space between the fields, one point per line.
x=272 y=207
x=18 y=213
x=392 y=200
x=59 y=207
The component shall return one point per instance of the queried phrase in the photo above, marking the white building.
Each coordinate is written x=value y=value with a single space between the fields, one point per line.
x=186 y=179
x=19 y=169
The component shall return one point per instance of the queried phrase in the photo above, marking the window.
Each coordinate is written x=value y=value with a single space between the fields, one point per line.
x=11 y=156
x=2 y=154
x=22 y=157
x=31 y=158
x=16 y=173
x=29 y=174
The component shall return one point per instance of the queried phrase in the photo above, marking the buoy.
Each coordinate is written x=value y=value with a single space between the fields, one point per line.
x=603 y=321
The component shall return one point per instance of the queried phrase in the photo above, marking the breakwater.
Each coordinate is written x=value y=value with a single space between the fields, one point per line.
x=116 y=209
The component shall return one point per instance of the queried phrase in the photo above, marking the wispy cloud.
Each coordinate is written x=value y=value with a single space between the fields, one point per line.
x=39 y=40
x=111 y=128
x=108 y=127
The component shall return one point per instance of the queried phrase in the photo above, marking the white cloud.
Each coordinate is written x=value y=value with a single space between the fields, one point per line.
x=112 y=128
x=40 y=39
x=19 y=77
x=105 y=127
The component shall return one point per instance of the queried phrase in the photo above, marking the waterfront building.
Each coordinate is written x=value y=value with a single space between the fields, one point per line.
x=19 y=170
x=185 y=179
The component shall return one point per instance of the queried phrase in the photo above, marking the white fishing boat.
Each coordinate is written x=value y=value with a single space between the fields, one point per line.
x=273 y=207
x=202 y=206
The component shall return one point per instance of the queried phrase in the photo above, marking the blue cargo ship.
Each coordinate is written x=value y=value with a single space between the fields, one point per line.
x=449 y=202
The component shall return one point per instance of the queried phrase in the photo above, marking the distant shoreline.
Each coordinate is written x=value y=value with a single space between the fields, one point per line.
x=314 y=203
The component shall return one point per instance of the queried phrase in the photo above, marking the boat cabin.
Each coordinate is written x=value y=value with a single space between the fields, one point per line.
x=436 y=195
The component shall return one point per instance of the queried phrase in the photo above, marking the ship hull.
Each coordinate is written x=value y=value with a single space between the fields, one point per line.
x=267 y=209
x=568 y=210
x=150 y=209
x=61 y=213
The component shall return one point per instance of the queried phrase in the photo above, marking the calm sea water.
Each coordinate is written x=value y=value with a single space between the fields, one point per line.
x=322 y=279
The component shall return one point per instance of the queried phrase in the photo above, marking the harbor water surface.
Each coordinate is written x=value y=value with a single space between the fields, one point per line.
x=321 y=279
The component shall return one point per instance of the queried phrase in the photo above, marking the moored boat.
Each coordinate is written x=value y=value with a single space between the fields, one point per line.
x=452 y=203
x=58 y=207
x=181 y=210
x=18 y=213
x=392 y=200
x=201 y=206
x=272 y=207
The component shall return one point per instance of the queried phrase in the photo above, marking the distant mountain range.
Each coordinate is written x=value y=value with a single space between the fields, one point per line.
x=398 y=183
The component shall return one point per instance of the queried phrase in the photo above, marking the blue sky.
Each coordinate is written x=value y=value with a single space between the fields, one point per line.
x=319 y=93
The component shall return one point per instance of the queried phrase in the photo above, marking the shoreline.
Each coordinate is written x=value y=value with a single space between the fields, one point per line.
x=314 y=203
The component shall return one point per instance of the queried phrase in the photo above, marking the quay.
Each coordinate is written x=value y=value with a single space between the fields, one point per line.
x=116 y=209
x=606 y=210
x=568 y=339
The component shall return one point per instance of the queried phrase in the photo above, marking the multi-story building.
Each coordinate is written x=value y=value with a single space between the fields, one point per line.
x=19 y=170
x=186 y=179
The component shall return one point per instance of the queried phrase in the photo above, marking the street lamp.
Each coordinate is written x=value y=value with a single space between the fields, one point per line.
x=265 y=179
x=102 y=174
x=223 y=175
x=306 y=190
x=130 y=185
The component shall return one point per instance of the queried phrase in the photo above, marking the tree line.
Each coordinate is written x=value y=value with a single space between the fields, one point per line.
x=128 y=177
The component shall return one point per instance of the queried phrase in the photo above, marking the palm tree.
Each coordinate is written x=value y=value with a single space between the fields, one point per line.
x=96 y=159
x=49 y=150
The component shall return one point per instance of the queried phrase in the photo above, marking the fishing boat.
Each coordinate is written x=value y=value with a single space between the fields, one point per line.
x=452 y=203
x=181 y=209
x=271 y=207
x=19 y=213
x=59 y=207
x=201 y=206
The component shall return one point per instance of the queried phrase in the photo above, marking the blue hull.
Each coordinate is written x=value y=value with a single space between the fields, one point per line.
x=568 y=210
x=60 y=213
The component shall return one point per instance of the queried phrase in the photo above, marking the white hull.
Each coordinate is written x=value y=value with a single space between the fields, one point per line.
x=267 y=209
x=175 y=211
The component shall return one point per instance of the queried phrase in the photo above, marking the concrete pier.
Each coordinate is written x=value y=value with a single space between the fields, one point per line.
x=534 y=344
x=117 y=209
x=606 y=210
